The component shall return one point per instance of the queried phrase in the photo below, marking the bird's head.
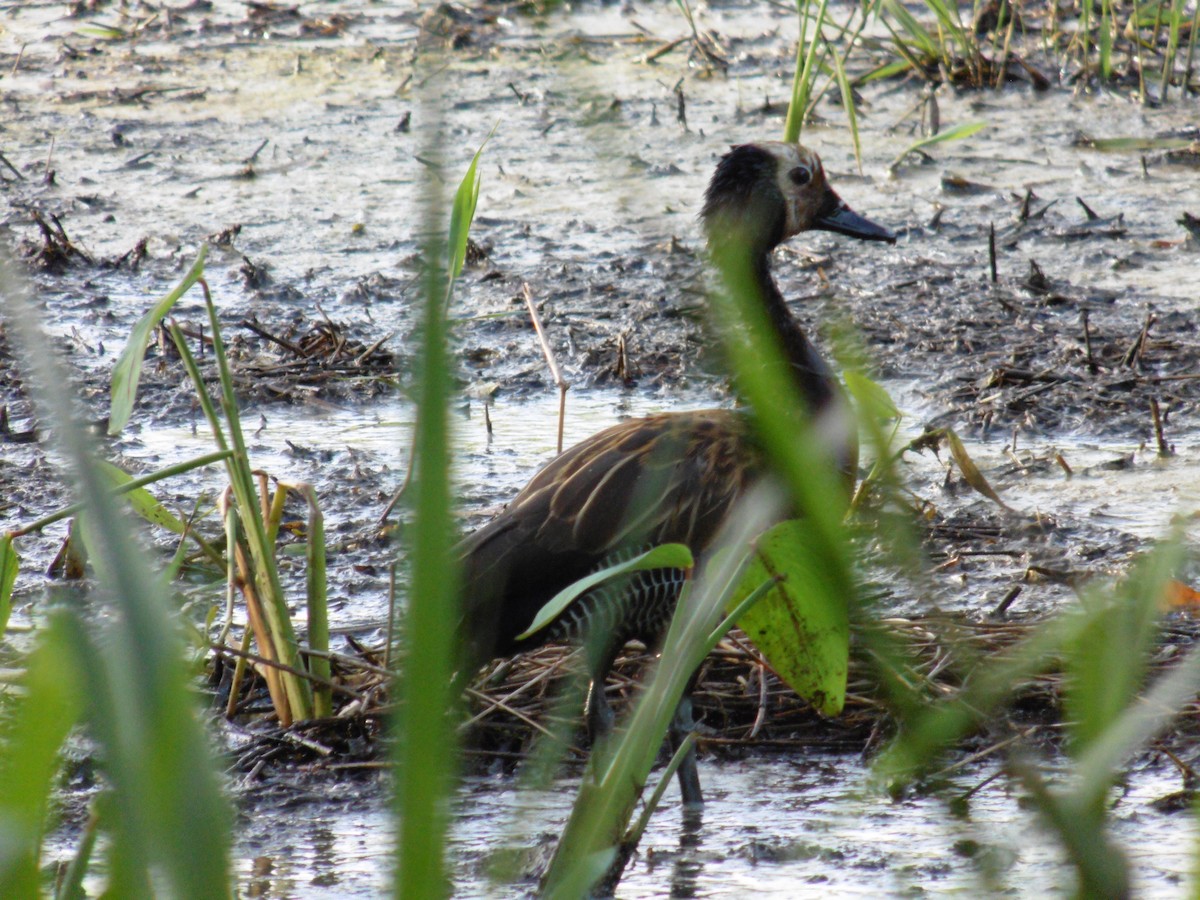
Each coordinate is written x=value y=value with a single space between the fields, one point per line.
x=764 y=193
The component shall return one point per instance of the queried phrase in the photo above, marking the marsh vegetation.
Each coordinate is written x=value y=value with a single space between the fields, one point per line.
x=234 y=617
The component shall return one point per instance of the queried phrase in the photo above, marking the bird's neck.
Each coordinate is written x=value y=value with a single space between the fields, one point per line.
x=811 y=374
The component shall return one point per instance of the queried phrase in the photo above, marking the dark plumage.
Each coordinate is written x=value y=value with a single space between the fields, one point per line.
x=672 y=477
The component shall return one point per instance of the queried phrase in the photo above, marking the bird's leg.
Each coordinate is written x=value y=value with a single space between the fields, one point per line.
x=683 y=724
x=602 y=653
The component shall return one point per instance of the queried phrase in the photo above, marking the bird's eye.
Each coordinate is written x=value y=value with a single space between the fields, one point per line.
x=800 y=176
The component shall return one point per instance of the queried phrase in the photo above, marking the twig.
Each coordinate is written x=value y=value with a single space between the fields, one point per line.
x=387 y=510
x=495 y=704
x=1087 y=344
x=1164 y=449
x=257 y=150
x=11 y=167
x=1003 y=605
x=391 y=621
x=663 y=50
x=274 y=339
x=992 y=250
x=362 y=357
x=1133 y=355
x=563 y=386
x=17 y=64
x=283 y=667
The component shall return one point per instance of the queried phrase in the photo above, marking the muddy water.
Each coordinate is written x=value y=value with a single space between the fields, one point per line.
x=591 y=185
x=774 y=827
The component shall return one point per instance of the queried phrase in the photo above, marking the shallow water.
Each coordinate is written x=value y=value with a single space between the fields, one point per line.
x=771 y=826
x=594 y=204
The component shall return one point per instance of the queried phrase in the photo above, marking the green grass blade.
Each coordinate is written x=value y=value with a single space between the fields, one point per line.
x=318 y=604
x=426 y=755
x=1105 y=40
x=1174 y=24
x=29 y=759
x=634 y=835
x=765 y=380
x=133 y=485
x=617 y=771
x=926 y=42
x=265 y=573
x=806 y=71
x=10 y=565
x=949 y=19
x=170 y=816
x=128 y=369
x=871 y=397
x=70 y=886
x=1141 y=720
x=848 y=104
x=462 y=213
x=886 y=71
x=931 y=728
x=958 y=132
x=1137 y=144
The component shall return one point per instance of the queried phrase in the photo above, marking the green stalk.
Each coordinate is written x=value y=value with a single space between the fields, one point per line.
x=166 y=472
x=318 y=606
x=427 y=746
x=805 y=72
x=1085 y=36
x=591 y=847
x=1137 y=42
x=241 y=480
x=169 y=823
x=1168 y=68
x=1191 y=54
x=1105 y=40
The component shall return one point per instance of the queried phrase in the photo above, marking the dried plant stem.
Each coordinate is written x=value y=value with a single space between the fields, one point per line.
x=992 y=251
x=1164 y=449
x=1087 y=345
x=555 y=372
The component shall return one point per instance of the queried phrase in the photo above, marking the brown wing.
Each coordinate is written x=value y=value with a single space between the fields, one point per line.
x=667 y=478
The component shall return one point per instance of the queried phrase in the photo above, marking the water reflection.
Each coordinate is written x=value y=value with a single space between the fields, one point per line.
x=685 y=874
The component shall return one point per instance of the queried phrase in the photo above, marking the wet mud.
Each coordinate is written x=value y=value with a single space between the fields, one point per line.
x=298 y=142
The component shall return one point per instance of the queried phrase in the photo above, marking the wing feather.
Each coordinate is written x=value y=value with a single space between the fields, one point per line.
x=665 y=478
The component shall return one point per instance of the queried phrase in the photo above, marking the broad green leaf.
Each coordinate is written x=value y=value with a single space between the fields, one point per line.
x=1106 y=659
x=463 y=212
x=802 y=632
x=142 y=501
x=1105 y=662
x=10 y=564
x=872 y=398
x=665 y=556
x=128 y=370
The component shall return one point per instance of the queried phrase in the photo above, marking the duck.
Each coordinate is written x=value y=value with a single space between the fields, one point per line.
x=673 y=477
